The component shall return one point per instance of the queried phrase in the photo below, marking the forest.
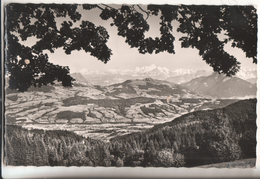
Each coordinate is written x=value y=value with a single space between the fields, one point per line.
x=194 y=139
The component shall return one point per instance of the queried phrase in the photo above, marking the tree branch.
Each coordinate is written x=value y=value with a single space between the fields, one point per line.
x=188 y=20
x=148 y=13
x=109 y=6
x=100 y=7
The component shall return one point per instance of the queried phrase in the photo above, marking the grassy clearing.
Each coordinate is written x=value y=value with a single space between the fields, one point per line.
x=244 y=163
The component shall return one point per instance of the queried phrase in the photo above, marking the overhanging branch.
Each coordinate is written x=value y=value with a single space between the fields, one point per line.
x=148 y=13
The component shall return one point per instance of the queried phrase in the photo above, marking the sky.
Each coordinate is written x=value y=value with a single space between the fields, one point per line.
x=124 y=57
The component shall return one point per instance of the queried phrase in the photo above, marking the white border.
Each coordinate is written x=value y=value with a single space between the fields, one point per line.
x=112 y=172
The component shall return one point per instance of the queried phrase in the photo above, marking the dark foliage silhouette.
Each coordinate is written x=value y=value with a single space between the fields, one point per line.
x=200 y=25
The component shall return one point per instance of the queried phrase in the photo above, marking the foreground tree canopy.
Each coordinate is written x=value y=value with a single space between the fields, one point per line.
x=202 y=27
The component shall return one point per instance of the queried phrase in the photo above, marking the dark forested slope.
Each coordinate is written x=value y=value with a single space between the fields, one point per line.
x=202 y=137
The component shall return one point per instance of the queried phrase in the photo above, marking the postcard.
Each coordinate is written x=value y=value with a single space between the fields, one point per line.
x=122 y=86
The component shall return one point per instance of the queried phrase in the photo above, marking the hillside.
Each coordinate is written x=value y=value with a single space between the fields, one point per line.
x=202 y=137
x=50 y=148
x=195 y=139
x=252 y=80
x=220 y=86
x=150 y=87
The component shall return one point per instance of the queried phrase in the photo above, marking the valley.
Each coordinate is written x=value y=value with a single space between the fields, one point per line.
x=104 y=112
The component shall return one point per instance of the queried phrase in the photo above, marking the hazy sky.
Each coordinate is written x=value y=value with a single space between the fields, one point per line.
x=125 y=57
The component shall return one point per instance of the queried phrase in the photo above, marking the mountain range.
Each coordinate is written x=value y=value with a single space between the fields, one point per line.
x=177 y=76
x=112 y=76
x=202 y=82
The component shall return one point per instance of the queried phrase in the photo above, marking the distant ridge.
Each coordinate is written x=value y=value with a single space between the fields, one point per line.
x=183 y=78
x=112 y=76
x=150 y=87
x=221 y=86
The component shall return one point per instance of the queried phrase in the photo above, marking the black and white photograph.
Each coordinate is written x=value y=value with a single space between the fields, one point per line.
x=130 y=85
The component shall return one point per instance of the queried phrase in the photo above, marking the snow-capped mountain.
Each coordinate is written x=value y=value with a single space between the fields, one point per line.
x=179 y=72
x=112 y=76
x=152 y=69
x=121 y=72
x=143 y=70
x=248 y=74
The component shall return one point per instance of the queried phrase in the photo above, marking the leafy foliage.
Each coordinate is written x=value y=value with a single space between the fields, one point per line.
x=201 y=26
x=38 y=20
